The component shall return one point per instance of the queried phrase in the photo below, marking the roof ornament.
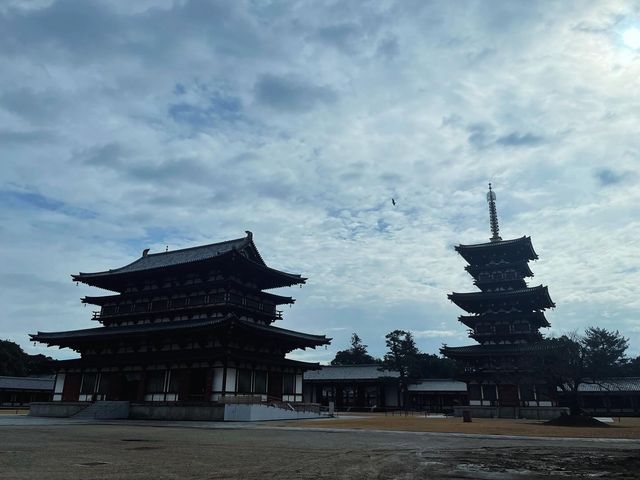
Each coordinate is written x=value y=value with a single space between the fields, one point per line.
x=249 y=234
x=493 y=216
x=145 y=252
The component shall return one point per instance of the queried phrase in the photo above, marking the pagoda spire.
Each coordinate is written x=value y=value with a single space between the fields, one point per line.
x=493 y=216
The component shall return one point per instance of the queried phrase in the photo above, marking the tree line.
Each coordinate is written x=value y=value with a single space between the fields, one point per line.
x=402 y=355
x=14 y=362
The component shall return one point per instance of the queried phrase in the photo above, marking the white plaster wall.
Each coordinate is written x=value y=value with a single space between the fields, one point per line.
x=217 y=380
x=231 y=380
x=59 y=386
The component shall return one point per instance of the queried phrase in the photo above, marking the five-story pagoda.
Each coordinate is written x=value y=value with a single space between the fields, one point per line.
x=186 y=325
x=505 y=318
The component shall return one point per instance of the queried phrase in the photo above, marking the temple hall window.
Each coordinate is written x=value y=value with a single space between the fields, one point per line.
x=244 y=381
x=260 y=381
x=288 y=384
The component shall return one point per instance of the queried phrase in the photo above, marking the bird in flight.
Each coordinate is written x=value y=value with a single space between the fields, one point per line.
x=393 y=201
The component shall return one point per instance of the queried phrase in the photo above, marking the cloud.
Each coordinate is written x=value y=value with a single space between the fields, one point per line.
x=608 y=176
x=436 y=333
x=34 y=200
x=126 y=125
x=291 y=94
x=515 y=139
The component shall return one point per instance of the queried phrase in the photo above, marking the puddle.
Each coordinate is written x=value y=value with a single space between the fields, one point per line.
x=91 y=464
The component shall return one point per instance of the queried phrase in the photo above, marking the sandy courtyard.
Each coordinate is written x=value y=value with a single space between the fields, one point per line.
x=619 y=428
x=56 y=450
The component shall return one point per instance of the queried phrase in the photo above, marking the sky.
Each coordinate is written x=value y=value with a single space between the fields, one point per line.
x=175 y=123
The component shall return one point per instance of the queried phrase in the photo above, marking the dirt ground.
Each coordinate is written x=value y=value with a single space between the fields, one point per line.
x=154 y=450
x=620 y=428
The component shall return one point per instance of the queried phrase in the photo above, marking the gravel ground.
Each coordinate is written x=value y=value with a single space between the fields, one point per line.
x=126 y=450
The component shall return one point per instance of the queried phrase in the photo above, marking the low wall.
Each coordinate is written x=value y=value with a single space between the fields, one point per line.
x=148 y=411
x=56 y=409
x=531 y=413
x=260 y=412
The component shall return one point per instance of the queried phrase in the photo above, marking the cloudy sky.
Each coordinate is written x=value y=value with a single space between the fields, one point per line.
x=127 y=125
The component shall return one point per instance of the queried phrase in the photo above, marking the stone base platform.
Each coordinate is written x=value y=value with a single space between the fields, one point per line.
x=215 y=412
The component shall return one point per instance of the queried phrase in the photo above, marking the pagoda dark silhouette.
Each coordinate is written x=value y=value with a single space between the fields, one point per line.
x=505 y=318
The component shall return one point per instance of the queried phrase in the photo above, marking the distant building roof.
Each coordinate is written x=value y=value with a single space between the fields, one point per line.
x=622 y=384
x=350 y=372
x=27 y=383
x=437 y=385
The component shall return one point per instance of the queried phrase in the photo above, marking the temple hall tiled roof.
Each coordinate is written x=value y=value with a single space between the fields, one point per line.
x=248 y=258
x=176 y=257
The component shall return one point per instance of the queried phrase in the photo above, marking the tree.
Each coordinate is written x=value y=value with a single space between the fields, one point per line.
x=12 y=359
x=14 y=362
x=604 y=352
x=402 y=353
x=432 y=366
x=632 y=367
x=356 y=355
x=572 y=360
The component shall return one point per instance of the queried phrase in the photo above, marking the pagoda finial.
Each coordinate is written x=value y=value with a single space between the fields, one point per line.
x=493 y=216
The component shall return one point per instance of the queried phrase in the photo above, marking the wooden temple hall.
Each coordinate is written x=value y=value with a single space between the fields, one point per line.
x=188 y=325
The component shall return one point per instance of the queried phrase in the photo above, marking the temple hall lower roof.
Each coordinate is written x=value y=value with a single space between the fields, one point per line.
x=99 y=333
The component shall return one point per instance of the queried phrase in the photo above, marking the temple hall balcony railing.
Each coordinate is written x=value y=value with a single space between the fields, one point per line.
x=189 y=303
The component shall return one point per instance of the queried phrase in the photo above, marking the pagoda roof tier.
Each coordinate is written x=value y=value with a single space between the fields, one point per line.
x=242 y=252
x=102 y=300
x=509 y=250
x=536 y=319
x=487 y=350
x=529 y=337
x=76 y=337
x=534 y=298
x=521 y=267
x=491 y=284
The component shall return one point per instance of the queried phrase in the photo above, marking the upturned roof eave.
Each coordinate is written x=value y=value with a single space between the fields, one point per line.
x=73 y=337
x=472 y=249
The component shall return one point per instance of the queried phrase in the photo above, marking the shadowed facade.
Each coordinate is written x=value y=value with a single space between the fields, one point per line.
x=505 y=318
x=187 y=325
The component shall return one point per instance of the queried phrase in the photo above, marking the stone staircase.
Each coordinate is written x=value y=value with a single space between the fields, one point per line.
x=103 y=410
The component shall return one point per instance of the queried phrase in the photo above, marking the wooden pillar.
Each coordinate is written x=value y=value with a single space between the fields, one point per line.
x=141 y=386
x=224 y=379
x=208 y=388
x=184 y=383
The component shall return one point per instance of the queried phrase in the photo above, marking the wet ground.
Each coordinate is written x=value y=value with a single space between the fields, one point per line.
x=30 y=449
